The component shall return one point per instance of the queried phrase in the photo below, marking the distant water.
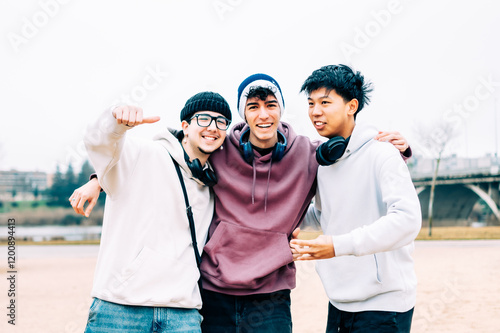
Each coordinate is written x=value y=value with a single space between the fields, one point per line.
x=52 y=232
x=52 y=251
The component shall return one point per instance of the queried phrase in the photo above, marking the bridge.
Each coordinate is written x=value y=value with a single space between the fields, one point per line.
x=467 y=190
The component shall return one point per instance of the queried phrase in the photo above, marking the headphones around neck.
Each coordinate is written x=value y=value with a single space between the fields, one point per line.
x=247 y=149
x=330 y=151
x=205 y=175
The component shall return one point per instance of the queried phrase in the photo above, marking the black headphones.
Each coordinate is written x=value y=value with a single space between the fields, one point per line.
x=247 y=150
x=207 y=176
x=330 y=151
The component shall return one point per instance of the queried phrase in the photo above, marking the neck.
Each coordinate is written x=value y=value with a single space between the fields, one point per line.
x=263 y=144
x=347 y=131
x=195 y=153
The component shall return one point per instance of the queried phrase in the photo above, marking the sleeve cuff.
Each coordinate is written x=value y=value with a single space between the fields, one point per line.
x=92 y=176
x=343 y=244
x=408 y=153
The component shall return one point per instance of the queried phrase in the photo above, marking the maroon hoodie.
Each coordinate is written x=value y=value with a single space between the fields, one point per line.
x=257 y=207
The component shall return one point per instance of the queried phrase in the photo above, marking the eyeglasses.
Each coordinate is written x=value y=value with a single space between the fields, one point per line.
x=205 y=120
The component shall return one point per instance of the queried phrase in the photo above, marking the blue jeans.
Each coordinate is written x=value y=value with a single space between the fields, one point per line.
x=107 y=317
x=261 y=313
x=368 y=321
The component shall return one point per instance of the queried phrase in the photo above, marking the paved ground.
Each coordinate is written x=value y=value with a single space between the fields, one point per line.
x=458 y=289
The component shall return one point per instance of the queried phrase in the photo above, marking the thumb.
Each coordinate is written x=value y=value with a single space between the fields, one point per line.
x=295 y=233
x=150 y=120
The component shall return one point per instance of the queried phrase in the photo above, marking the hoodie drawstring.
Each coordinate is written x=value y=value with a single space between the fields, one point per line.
x=254 y=179
x=254 y=183
x=267 y=188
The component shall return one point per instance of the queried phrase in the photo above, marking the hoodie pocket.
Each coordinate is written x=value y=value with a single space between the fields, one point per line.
x=240 y=257
x=354 y=279
x=157 y=278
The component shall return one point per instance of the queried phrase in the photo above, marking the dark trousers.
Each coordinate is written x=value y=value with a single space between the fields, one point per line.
x=368 y=321
x=261 y=313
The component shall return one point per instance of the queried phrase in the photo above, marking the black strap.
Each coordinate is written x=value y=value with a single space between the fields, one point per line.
x=189 y=213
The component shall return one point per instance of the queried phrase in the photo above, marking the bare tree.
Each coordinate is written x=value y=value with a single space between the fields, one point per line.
x=434 y=141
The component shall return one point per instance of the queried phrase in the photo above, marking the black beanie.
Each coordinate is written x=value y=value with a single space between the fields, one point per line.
x=205 y=101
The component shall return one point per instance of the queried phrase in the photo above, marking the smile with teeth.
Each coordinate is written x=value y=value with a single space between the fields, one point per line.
x=319 y=123
x=264 y=125
x=209 y=137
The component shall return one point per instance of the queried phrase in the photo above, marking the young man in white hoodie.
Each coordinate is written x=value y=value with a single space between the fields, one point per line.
x=367 y=208
x=146 y=279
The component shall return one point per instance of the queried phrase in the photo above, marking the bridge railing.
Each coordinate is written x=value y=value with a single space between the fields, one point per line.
x=454 y=167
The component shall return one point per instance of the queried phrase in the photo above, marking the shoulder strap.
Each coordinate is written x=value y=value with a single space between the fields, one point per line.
x=189 y=213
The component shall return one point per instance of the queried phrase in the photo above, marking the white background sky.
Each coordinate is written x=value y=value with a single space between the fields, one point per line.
x=64 y=62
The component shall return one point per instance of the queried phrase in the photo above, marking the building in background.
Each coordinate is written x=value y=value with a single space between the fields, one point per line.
x=22 y=185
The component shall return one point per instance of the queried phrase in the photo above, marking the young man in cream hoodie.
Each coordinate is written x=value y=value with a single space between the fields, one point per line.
x=368 y=210
x=146 y=279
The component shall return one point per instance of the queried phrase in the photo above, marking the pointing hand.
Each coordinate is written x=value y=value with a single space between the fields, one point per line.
x=132 y=116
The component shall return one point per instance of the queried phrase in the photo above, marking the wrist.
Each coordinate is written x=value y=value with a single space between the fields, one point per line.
x=94 y=176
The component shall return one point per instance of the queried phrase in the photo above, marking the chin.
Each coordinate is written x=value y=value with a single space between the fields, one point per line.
x=208 y=150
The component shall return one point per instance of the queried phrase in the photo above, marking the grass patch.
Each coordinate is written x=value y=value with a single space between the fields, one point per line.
x=22 y=206
x=307 y=235
x=440 y=233
x=458 y=233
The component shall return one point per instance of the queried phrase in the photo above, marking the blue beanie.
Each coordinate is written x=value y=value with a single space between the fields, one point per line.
x=258 y=80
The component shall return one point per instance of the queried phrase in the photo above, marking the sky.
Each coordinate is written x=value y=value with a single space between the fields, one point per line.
x=63 y=62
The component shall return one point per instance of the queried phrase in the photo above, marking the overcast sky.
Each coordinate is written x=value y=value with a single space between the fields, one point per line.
x=64 y=62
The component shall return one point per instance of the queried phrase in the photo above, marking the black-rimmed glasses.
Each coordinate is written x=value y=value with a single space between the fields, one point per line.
x=204 y=120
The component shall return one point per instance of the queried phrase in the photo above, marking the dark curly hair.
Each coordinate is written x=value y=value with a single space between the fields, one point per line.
x=261 y=92
x=347 y=83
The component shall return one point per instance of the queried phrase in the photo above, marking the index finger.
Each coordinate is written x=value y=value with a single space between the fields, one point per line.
x=302 y=242
x=383 y=135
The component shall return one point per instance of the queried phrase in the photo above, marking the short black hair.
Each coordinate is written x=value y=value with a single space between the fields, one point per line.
x=347 y=83
x=261 y=92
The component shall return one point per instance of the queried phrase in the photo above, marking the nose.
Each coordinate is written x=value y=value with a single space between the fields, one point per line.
x=315 y=110
x=263 y=112
x=212 y=126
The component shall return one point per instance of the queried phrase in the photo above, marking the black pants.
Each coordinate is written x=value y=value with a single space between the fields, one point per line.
x=368 y=321
x=261 y=313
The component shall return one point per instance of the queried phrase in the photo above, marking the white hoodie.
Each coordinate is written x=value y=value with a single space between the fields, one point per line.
x=146 y=255
x=368 y=203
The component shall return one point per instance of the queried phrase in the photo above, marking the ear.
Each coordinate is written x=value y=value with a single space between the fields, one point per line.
x=184 y=125
x=352 y=106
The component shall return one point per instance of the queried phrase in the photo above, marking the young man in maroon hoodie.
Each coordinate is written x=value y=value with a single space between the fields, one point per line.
x=266 y=179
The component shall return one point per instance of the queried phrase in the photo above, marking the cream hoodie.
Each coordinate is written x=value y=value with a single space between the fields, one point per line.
x=146 y=256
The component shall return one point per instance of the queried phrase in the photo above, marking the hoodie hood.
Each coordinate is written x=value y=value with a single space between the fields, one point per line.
x=362 y=134
x=283 y=127
x=170 y=139
x=235 y=136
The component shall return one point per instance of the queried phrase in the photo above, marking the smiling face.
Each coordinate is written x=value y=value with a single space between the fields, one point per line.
x=200 y=141
x=263 y=118
x=330 y=114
